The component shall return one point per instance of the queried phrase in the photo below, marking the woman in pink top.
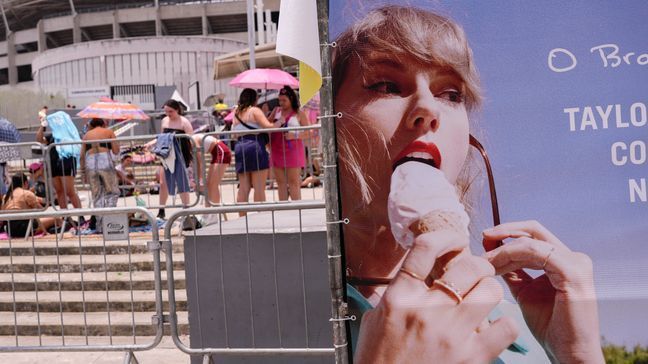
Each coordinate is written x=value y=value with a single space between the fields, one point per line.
x=287 y=154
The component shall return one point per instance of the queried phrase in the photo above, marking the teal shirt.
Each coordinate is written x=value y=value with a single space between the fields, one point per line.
x=522 y=349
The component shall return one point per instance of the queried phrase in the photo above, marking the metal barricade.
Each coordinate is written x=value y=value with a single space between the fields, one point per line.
x=310 y=175
x=147 y=173
x=292 y=318
x=81 y=293
x=16 y=158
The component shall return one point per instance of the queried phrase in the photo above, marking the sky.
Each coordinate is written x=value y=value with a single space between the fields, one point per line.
x=596 y=85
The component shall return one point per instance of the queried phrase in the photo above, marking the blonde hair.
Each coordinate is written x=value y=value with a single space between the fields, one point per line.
x=399 y=31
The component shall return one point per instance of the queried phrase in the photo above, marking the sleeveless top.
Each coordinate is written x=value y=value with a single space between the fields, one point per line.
x=287 y=152
x=241 y=127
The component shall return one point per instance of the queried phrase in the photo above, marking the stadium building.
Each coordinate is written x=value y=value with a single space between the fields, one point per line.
x=130 y=50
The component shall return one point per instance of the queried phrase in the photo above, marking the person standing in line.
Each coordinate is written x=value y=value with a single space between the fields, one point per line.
x=287 y=153
x=175 y=123
x=99 y=169
x=63 y=159
x=251 y=156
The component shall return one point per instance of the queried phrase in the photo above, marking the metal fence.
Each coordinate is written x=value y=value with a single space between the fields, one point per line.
x=105 y=293
x=140 y=171
x=80 y=294
x=305 y=138
x=145 y=179
x=239 y=281
x=31 y=267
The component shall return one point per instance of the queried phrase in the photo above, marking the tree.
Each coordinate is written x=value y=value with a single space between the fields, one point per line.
x=618 y=354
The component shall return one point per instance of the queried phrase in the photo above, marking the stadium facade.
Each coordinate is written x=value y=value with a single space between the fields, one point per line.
x=128 y=50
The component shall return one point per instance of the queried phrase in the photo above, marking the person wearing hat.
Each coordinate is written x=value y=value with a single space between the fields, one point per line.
x=37 y=179
x=221 y=105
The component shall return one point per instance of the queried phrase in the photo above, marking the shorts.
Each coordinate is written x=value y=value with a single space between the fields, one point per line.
x=65 y=167
x=18 y=228
x=221 y=154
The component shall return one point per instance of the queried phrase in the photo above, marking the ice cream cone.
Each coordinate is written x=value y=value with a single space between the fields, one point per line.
x=422 y=200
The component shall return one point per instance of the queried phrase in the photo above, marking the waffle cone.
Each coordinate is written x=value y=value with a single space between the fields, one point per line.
x=437 y=220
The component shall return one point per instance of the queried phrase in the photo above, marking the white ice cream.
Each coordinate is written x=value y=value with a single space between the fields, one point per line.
x=421 y=199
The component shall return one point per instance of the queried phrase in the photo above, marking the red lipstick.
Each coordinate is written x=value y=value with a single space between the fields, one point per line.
x=420 y=147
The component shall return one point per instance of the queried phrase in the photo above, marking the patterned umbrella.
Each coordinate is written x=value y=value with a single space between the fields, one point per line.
x=8 y=134
x=113 y=110
x=8 y=131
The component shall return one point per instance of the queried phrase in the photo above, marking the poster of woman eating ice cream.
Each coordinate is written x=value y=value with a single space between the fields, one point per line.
x=554 y=96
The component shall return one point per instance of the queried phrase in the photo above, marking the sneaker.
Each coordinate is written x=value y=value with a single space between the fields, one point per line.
x=161 y=214
x=210 y=219
x=191 y=223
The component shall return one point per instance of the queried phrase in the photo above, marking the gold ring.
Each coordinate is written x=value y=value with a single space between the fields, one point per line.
x=547 y=257
x=449 y=287
x=412 y=274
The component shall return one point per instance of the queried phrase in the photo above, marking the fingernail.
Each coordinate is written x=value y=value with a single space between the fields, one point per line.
x=487 y=231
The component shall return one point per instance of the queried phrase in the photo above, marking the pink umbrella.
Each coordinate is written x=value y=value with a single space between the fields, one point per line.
x=230 y=116
x=264 y=78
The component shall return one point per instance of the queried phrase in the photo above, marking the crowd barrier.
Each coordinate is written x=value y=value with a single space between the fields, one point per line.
x=267 y=269
x=78 y=294
x=309 y=176
x=67 y=295
x=146 y=179
x=144 y=169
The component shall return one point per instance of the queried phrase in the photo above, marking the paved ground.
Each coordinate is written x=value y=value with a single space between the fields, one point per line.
x=164 y=353
x=228 y=196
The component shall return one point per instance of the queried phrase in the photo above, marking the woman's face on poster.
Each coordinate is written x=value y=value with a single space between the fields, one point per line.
x=396 y=101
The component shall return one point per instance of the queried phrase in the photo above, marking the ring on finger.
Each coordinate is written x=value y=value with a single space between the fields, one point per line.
x=546 y=259
x=449 y=288
x=412 y=274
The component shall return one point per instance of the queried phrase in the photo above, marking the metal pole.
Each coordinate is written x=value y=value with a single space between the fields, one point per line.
x=4 y=18
x=72 y=7
x=260 y=24
x=251 y=37
x=331 y=193
x=268 y=25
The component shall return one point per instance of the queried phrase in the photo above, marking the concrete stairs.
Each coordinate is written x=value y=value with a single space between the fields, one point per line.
x=79 y=290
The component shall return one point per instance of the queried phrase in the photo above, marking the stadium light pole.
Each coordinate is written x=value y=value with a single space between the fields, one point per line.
x=260 y=23
x=250 y=23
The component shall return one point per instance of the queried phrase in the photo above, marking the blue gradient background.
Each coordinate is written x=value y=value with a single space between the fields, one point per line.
x=564 y=179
